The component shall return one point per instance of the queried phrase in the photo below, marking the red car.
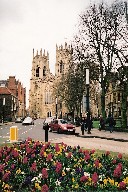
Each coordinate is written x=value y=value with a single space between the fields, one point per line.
x=61 y=125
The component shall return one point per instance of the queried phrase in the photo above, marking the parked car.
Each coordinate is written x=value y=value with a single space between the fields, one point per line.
x=61 y=125
x=18 y=120
x=48 y=121
x=28 y=121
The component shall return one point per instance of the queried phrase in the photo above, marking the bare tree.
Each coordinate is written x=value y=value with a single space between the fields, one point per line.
x=103 y=36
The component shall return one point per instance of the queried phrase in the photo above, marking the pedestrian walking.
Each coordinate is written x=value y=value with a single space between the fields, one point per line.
x=102 y=123
x=77 y=121
x=83 y=125
x=111 y=122
x=89 y=123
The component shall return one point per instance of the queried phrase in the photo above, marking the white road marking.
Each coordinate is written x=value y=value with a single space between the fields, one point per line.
x=5 y=136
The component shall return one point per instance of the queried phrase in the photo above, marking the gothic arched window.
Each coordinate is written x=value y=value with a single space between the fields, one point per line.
x=44 y=71
x=61 y=66
x=37 y=72
x=48 y=97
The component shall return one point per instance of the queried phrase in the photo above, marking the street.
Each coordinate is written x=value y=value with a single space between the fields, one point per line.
x=103 y=140
x=35 y=131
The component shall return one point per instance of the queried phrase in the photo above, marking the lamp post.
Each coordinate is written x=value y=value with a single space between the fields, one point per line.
x=56 y=108
x=89 y=123
x=3 y=109
x=87 y=86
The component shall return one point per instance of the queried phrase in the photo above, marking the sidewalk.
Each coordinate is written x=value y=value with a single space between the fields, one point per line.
x=116 y=136
x=99 y=140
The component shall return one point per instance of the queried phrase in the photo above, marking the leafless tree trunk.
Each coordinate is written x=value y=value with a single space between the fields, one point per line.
x=103 y=37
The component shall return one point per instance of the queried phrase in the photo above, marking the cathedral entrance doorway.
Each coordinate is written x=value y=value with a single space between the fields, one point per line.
x=49 y=114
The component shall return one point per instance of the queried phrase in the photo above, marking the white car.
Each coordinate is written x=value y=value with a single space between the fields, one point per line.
x=28 y=121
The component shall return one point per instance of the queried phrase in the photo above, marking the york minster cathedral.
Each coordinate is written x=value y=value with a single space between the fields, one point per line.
x=42 y=104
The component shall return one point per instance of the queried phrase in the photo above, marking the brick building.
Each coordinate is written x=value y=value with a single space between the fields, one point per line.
x=8 y=105
x=18 y=91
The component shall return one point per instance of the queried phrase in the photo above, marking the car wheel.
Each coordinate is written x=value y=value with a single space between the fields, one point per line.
x=73 y=132
x=59 y=130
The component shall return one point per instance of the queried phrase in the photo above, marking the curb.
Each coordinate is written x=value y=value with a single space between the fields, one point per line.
x=100 y=137
x=9 y=123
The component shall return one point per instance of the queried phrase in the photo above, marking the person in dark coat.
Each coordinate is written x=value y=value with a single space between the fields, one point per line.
x=77 y=121
x=111 y=122
x=83 y=125
x=102 y=123
x=89 y=123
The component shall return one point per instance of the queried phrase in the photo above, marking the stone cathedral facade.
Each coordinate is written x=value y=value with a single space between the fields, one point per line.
x=42 y=101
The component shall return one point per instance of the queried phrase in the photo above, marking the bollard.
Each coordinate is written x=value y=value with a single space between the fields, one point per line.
x=46 y=132
x=46 y=135
x=13 y=134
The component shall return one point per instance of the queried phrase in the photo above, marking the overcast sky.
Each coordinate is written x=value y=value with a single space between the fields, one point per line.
x=28 y=24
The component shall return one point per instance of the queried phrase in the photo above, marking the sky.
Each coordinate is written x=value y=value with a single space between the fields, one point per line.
x=28 y=24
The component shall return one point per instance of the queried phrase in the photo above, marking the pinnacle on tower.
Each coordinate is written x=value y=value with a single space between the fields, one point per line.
x=44 y=53
x=33 y=53
x=61 y=47
x=56 y=47
x=41 y=52
x=65 y=45
x=47 y=55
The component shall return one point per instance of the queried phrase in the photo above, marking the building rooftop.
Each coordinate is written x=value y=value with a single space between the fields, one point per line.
x=5 y=91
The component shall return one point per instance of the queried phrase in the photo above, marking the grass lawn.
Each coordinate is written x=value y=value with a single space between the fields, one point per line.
x=118 y=125
x=96 y=124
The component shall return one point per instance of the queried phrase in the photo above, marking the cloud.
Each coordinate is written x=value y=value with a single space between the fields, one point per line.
x=28 y=24
x=10 y=11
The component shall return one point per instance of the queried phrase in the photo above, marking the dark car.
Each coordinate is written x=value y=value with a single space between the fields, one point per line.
x=61 y=125
x=28 y=121
x=18 y=120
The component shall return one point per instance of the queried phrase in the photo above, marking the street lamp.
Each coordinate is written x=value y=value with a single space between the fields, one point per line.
x=87 y=96
x=56 y=108
x=3 y=109
x=87 y=87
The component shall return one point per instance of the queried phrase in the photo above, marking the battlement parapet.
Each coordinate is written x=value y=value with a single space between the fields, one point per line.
x=65 y=47
x=44 y=54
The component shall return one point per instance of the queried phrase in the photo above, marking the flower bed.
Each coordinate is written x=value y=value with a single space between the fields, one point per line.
x=37 y=166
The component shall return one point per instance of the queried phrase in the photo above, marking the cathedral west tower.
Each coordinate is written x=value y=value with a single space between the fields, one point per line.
x=41 y=85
